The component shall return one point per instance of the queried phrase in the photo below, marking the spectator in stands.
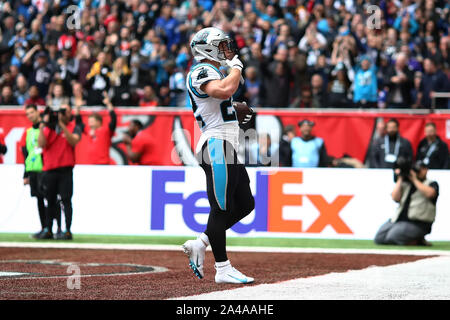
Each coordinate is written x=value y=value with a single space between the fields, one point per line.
x=444 y=48
x=98 y=80
x=78 y=97
x=149 y=98
x=319 y=95
x=42 y=74
x=167 y=27
x=57 y=97
x=276 y=77
x=308 y=150
x=99 y=135
x=34 y=97
x=177 y=84
x=399 y=80
x=312 y=43
x=416 y=94
x=68 y=66
x=120 y=77
x=339 y=88
x=433 y=80
x=387 y=149
x=85 y=61
x=252 y=86
x=21 y=89
x=140 y=144
x=432 y=150
x=416 y=212
x=7 y=97
x=365 y=84
x=164 y=96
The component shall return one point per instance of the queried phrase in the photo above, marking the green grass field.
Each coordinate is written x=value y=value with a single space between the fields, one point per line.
x=231 y=241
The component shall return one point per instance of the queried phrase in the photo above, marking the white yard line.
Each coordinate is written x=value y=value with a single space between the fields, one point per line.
x=100 y=246
x=426 y=279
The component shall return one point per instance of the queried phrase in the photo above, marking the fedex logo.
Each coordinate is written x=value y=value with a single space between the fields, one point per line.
x=269 y=203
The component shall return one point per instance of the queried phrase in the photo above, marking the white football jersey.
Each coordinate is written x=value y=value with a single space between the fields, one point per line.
x=215 y=117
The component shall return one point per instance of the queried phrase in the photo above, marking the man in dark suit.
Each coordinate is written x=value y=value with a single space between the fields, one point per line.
x=432 y=150
x=386 y=150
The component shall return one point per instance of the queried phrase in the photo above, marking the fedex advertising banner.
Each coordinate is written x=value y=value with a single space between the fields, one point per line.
x=139 y=200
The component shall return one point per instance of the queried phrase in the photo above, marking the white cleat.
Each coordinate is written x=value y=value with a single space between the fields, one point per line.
x=195 y=250
x=232 y=275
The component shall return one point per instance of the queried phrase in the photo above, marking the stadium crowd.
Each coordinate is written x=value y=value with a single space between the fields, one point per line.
x=311 y=54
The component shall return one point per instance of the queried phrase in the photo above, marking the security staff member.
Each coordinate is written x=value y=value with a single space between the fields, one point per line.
x=417 y=197
x=308 y=150
x=58 y=144
x=387 y=149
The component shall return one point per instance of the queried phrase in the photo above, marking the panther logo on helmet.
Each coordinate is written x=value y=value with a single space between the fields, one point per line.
x=205 y=45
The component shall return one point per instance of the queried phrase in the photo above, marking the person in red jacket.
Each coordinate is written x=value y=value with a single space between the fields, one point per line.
x=3 y=147
x=58 y=139
x=140 y=145
x=99 y=135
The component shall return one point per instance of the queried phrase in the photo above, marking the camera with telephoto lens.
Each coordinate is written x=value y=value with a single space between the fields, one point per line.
x=53 y=116
x=405 y=165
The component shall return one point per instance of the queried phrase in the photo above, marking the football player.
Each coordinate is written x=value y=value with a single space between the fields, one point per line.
x=227 y=181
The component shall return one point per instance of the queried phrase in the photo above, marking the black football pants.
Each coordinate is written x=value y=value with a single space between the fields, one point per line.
x=228 y=189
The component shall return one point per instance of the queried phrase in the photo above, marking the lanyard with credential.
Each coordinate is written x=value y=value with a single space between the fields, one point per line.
x=430 y=151
x=396 y=148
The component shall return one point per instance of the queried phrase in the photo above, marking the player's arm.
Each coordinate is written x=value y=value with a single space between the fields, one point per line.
x=72 y=137
x=42 y=139
x=226 y=87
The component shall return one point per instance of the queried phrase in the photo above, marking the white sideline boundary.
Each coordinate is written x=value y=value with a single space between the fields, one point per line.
x=103 y=246
x=426 y=279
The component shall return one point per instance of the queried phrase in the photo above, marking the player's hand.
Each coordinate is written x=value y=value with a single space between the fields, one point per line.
x=249 y=116
x=235 y=63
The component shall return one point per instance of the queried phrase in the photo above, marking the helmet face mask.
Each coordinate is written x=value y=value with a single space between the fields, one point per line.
x=207 y=44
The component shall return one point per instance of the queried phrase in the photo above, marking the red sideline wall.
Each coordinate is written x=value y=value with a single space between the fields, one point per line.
x=343 y=132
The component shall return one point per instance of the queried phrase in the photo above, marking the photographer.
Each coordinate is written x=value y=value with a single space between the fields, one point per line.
x=417 y=197
x=58 y=135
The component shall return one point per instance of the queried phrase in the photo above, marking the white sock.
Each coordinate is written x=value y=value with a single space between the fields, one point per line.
x=204 y=238
x=222 y=266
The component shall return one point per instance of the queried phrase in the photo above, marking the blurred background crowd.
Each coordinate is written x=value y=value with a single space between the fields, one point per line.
x=297 y=54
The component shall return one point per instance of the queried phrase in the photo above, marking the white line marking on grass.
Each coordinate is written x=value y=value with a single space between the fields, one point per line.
x=426 y=279
x=103 y=246
x=11 y=274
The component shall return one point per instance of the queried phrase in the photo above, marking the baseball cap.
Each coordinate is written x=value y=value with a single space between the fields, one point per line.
x=41 y=54
x=306 y=121
x=419 y=164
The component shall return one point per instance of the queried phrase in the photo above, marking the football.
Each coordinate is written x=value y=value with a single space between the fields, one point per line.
x=243 y=111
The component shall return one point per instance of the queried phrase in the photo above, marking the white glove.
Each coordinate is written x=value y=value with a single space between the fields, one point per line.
x=235 y=63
